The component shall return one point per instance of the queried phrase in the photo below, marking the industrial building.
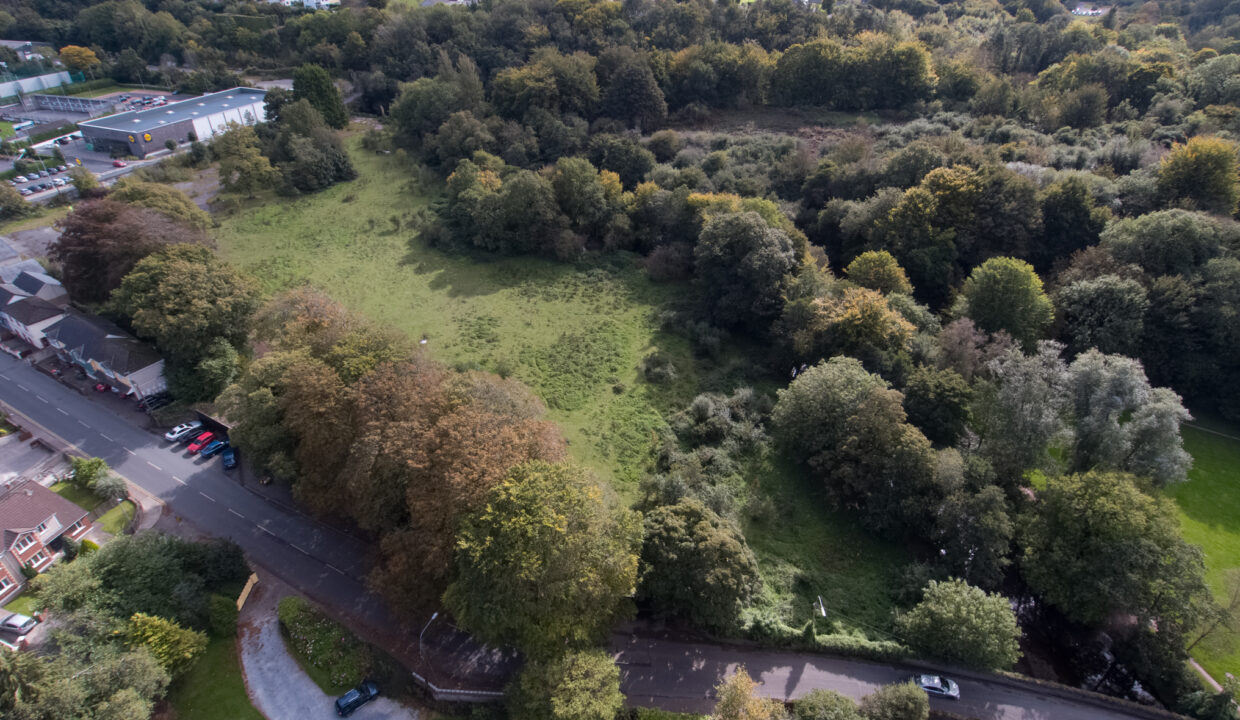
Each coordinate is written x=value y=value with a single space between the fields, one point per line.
x=141 y=132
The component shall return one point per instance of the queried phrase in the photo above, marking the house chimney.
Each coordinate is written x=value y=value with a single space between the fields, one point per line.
x=29 y=492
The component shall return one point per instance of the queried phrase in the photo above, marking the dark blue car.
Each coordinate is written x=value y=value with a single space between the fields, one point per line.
x=215 y=447
x=229 y=458
x=355 y=698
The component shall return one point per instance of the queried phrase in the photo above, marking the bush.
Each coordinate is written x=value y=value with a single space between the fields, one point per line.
x=109 y=486
x=658 y=368
x=222 y=616
x=826 y=705
x=88 y=547
x=72 y=548
x=905 y=701
x=324 y=643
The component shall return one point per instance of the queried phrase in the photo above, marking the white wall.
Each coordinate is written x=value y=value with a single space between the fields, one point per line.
x=206 y=127
x=34 y=84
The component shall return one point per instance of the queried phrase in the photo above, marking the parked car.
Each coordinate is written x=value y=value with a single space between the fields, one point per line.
x=355 y=698
x=64 y=168
x=119 y=163
x=938 y=686
x=21 y=179
x=60 y=182
x=18 y=623
x=215 y=448
x=229 y=458
x=200 y=442
x=182 y=430
x=26 y=191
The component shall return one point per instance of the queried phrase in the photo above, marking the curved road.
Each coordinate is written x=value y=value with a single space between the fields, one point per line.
x=329 y=566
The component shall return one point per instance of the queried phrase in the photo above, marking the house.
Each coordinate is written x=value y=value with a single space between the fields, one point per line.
x=30 y=301
x=107 y=353
x=42 y=286
x=33 y=523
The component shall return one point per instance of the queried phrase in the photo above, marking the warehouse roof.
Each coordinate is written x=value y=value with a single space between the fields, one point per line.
x=143 y=120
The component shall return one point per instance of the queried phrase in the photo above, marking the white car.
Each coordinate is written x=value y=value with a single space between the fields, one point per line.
x=938 y=686
x=18 y=624
x=182 y=430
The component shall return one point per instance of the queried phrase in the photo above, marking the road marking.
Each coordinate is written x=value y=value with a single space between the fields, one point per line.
x=43 y=399
x=105 y=437
x=333 y=567
x=260 y=527
x=174 y=477
x=206 y=496
x=2 y=375
x=148 y=462
x=234 y=512
x=303 y=552
x=62 y=412
x=83 y=424
x=23 y=387
x=131 y=452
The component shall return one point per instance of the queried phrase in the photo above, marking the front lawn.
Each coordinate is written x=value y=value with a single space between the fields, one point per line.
x=213 y=689
x=84 y=499
x=1210 y=517
x=117 y=519
x=24 y=604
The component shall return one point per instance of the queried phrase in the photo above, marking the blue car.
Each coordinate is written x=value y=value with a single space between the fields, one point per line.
x=215 y=447
x=229 y=458
x=355 y=698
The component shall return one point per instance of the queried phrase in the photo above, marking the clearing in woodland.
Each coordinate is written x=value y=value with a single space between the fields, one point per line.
x=576 y=334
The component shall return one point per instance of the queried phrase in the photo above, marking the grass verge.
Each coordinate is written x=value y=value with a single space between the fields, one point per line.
x=1209 y=506
x=76 y=495
x=117 y=519
x=42 y=216
x=24 y=604
x=327 y=651
x=213 y=689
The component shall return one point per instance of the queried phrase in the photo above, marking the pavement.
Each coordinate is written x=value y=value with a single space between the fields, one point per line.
x=329 y=566
x=277 y=686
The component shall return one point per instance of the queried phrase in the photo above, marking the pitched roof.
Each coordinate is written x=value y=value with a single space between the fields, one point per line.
x=94 y=338
x=33 y=282
x=30 y=310
x=27 y=504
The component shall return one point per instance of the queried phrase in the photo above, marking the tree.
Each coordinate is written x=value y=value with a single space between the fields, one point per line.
x=904 y=701
x=958 y=623
x=86 y=472
x=938 y=402
x=1124 y=424
x=545 y=564
x=974 y=531
x=581 y=685
x=84 y=181
x=110 y=486
x=78 y=57
x=878 y=270
x=1205 y=173
x=243 y=168
x=184 y=299
x=854 y=321
x=311 y=82
x=696 y=565
x=633 y=97
x=12 y=204
x=164 y=199
x=738 y=700
x=1006 y=294
x=1106 y=313
x=826 y=705
x=623 y=156
x=174 y=647
x=742 y=267
x=1021 y=409
x=1071 y=221
x=1095 y=545
x=20 y=673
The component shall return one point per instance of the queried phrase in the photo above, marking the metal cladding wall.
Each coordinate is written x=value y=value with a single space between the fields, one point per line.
x=136 y=142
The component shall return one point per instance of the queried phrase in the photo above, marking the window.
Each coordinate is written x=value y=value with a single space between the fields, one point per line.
x=40 y=527
x=37 y=559
x=75 y=526
x=5 y=584
x=25 y=542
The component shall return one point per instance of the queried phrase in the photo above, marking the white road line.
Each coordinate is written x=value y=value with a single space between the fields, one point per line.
x=42 y=399
x=333 y=567
x=260 y=527
x=174 y=477
x=23 y=387
x=148 y=462
x=83 y=424
x=2 y=375
x=206 y=496
x=61 y=411
x=131 y=452
x=303 y=552
x=234 y=512
x=105 y=437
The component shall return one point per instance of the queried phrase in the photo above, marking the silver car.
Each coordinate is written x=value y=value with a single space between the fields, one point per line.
x=18 y=624
x=938 y=686
x=181 y=431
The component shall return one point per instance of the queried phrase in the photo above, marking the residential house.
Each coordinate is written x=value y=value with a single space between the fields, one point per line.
x=42 y=286
x=33 y=521
x=30 y=301
x=107 y=353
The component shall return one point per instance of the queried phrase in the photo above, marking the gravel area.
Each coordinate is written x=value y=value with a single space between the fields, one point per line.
x=277 y=686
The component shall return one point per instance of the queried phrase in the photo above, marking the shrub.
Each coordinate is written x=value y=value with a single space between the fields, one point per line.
x=88 y=547
x=72 y=548
x=826 y=705
x=222 y=616
x=324 y=643
x=109 y=486
x=905 y=701
x=659 y=368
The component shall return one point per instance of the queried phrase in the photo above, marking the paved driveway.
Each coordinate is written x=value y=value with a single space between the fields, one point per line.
x=276 y=684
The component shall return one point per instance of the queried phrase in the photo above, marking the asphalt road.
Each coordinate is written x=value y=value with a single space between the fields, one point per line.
x=329 y=566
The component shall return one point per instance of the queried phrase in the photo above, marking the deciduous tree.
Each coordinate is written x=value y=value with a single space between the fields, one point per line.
x=1006 y=294
x=739 y=700
x=311 y=82
x=164 y=199
x=742 y=268
x=175 y=648
x=961 y=624
x=878 y=270
x=578 y=685
x=1205 y=173
x=904 y=701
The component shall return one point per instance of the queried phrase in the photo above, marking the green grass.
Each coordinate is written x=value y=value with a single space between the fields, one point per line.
x=333 y=657
x=213 y=689
x=6 y=129
x=24 y=604
x=575 y=333
x=117 y=519
x=42 y=216
x=76 y=495
x=1210 y=517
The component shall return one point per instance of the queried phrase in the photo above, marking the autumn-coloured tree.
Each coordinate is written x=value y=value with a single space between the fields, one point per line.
x=78 y=57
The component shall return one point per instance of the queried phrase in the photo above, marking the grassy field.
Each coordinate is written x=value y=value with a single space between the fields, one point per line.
x=24 y=604
x=1210 y=517
x=82 y=498
x=213 y=689
x=117 y=519
x=576 y=334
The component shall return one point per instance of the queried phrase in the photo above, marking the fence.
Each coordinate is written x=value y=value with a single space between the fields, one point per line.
x=37 y=83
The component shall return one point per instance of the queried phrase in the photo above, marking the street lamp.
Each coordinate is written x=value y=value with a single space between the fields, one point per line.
x=425 y=665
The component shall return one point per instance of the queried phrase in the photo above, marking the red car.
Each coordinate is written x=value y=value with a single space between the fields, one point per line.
x=201 y=442
x=118 y=163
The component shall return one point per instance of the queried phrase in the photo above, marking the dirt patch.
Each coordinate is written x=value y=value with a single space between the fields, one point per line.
x=203 y=188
